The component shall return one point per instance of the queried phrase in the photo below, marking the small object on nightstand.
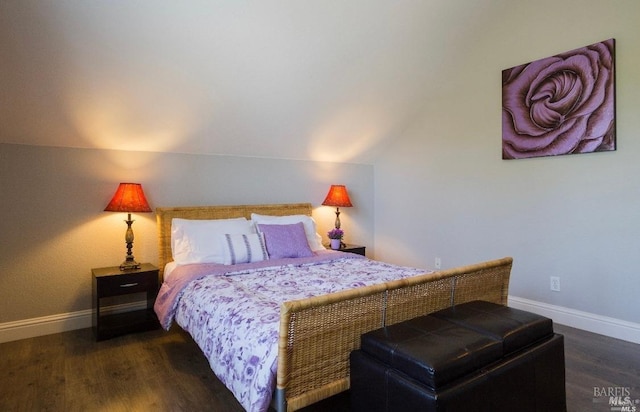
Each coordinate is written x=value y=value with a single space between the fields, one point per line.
x=335 y=238
x=357 y=249
x=110 y=282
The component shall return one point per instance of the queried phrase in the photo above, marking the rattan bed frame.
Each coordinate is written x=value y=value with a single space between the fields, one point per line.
x=318 y=334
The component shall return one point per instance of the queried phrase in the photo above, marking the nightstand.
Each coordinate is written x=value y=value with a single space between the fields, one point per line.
x=111 y=282
x=357 y=249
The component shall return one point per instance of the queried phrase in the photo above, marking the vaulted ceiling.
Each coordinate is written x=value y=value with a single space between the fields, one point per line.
x=322 y=80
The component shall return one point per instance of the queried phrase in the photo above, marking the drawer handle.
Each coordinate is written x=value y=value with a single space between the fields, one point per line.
x=128 y=285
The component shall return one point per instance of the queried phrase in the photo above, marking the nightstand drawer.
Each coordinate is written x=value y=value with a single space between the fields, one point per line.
x=124 y=284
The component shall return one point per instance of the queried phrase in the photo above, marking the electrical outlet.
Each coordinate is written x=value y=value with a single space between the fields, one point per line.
x=555 y=283
x=438 y=263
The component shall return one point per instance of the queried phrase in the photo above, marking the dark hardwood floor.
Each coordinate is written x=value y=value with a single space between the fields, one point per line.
x=165 y=371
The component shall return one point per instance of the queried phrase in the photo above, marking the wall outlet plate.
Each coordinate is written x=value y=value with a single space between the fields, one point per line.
x=555 y=283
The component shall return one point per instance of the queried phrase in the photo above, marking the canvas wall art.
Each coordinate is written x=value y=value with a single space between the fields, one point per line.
x=564 y=104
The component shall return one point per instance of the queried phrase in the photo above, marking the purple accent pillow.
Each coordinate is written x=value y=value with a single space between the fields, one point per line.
x=286 y=241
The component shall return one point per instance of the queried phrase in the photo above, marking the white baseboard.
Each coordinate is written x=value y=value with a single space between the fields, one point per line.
x=63 y=322
x=601 y=325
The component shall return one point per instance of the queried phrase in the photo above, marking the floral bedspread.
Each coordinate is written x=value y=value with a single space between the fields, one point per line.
x=234 y=316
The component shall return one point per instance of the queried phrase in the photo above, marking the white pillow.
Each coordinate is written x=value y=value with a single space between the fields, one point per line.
x=198 y=241
x=313 y=238
x=240 y=248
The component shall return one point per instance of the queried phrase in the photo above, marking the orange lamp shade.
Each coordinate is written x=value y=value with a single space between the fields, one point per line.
x=337 y=196
x=129 y=197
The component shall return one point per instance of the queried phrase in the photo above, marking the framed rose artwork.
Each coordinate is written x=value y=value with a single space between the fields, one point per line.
x=564 y=104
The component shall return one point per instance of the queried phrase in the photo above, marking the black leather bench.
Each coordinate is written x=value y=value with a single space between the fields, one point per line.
x=477 y=356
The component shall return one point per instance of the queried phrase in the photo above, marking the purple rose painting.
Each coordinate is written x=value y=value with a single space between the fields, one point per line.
x=560 y=105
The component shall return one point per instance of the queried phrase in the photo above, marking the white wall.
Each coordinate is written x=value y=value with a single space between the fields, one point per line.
x=576 y=217
x=53 y=229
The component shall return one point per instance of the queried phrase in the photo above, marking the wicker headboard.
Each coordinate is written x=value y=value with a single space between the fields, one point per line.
x=165 y=214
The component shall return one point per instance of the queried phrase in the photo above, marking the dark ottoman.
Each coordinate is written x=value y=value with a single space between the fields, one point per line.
x=476 y=356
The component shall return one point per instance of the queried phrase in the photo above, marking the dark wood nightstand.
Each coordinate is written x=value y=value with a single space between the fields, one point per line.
x=113 y=282
x=357 y=249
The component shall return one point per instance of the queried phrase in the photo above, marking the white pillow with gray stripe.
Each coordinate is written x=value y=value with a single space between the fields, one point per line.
x=243 y=248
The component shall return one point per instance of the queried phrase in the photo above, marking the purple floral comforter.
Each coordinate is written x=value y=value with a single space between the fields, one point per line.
x=233 y=312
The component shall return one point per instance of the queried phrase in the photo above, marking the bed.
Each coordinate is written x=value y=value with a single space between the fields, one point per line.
x=316 y=333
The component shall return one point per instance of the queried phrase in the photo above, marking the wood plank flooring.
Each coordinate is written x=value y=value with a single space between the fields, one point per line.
x=165 y=371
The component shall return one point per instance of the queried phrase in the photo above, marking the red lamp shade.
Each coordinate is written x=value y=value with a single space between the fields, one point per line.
x=129 y=197
x=337 y=196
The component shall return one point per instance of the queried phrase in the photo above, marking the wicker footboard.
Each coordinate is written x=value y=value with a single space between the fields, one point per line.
x=318 y=334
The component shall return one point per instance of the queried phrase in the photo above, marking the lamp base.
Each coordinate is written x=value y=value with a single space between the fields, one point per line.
x=129 y=265
x=337 y=223
x=129 y=261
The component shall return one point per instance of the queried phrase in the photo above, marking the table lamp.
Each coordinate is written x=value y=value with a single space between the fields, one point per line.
x=337 y=197
x=129 y=198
